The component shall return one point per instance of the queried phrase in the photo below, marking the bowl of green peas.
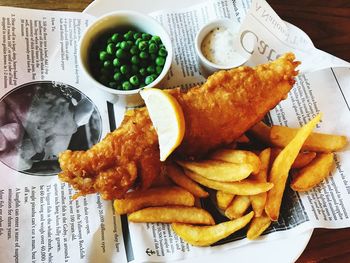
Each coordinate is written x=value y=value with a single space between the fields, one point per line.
x=125 y=51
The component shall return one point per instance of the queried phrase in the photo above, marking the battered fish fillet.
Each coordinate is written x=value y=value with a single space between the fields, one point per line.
x=216 y=113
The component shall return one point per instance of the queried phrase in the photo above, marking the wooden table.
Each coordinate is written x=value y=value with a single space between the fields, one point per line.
x=328 y=25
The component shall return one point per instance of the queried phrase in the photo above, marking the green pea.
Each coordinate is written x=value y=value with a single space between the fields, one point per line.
x=149 y=80
x=160 y=61
x=137 y=42
x=117 y=45
x=162 y=52
x=115 y=37
x=117 y=76
x=134 y=69
x=125 y=45
x=128 y=36
x=134 y=50
x=159 y=69
x=126 y=85
x=142 y=45
x=156 y=39
x=110 y=48
x=107 y=64
x=151 y=69
x=143 y=55
x=137 y=35
x=103 y=55
x=131 y=43
x=116 y=62
x=154 y=76
x=146 y=36
x=124 y=69
x=112 y=85
x=134 y=80
x=153 y=56
x=135 y=59
x=120 y=53
x=152 y=48
x=142 y=72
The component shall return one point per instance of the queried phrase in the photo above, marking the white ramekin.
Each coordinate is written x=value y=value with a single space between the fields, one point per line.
x=113 y=21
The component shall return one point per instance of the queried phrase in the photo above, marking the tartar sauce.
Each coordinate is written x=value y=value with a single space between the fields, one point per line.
x=218 y=46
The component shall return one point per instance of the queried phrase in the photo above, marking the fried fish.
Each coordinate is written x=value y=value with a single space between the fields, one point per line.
x=216 y=113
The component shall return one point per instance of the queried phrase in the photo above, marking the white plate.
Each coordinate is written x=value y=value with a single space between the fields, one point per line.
x=277 y=251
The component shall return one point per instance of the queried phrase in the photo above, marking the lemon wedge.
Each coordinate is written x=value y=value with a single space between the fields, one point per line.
x=167 y=118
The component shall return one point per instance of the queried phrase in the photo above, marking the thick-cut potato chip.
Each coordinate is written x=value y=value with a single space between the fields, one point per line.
x=264 y=158
x=303 y=159
x=161 y=196
x=162 y=180
x=258 y=226
x=281 y=166
x=219 y=170
x=223 y=199
x=232 y=145
x=258 y=201
x=197 y=202
x=172 y=214
x=243 y=139
x=178 y=177
x=244 y=187
x=238 y=156
x=314 y=173
x=262 y=132
x=207 y=235
x=274 y=153
x=318 y=142
x=238 y=207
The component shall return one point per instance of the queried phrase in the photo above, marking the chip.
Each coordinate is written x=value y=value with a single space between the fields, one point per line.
x=172 y=214
x=177 y=175
x=258 y=226
x=238 y=156
x=243 y=139
x=161 y=196
x=238 y=207
x=258 y=201
x=314 y=173
x=244 y=187
x=317 y=142
x=219 y=170
x=303 y=159
x=262 y=132
x=223 y=199
x=281 y=166
x=208 y=235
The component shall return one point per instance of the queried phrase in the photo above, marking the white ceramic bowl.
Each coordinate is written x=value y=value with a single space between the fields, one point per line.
x=111 y=22
x=207 y=67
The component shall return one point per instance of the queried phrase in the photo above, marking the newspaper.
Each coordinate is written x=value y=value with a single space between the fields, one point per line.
x=47 y=106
